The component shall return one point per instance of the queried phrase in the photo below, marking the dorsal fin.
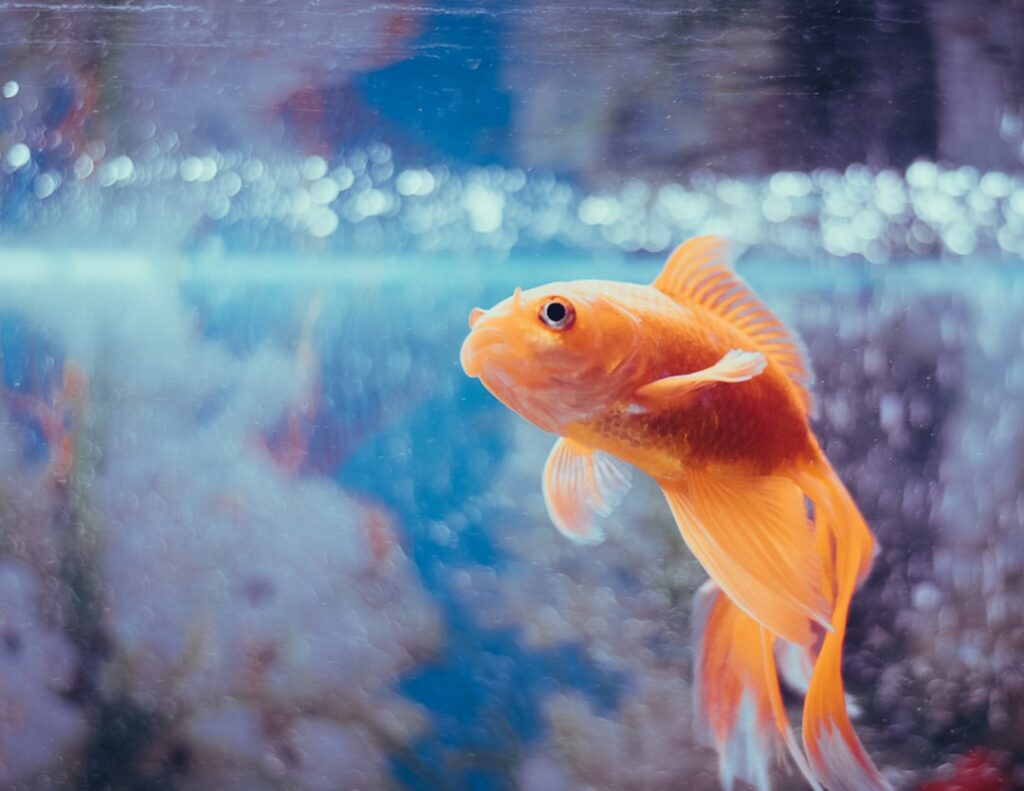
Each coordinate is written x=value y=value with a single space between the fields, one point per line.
x=698 y=272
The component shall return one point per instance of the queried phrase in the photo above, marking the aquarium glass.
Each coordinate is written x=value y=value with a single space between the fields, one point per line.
x=259 y=529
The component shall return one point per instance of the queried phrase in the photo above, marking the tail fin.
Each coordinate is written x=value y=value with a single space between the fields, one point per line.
x=835 y=753
x=738 y=703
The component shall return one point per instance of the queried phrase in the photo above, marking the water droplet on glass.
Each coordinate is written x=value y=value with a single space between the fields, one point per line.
x=18 y=156
x=314 y=168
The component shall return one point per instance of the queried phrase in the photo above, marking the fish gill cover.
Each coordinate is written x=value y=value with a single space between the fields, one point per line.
x=256 y=528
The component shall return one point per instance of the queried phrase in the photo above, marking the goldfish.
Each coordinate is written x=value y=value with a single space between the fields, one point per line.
x=695 y=382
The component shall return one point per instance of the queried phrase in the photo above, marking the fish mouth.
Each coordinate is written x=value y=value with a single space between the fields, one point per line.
x=495 y=357
x=488 y=356
x=480 y=346
x=512 y=393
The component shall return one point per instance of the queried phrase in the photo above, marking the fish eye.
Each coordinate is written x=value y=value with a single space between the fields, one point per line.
x=557 y=313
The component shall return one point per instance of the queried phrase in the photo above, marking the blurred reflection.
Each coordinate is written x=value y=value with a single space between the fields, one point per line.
x=219 y=74
x=741 y=86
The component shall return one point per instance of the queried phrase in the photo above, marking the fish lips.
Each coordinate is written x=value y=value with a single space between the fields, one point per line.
x=482 y=345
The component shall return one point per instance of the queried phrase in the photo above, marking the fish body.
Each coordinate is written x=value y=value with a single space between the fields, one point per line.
x=694 y=381
x=756 y=428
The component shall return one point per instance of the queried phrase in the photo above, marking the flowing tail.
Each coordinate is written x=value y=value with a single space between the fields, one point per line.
x=778 y=578
x=836 y=756
x=738 y=703
x=738 y=697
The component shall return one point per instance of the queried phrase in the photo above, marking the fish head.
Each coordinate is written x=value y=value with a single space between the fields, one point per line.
x=555 y=354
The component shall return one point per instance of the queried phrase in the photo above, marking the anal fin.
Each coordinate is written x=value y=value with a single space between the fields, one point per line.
x=752 y=535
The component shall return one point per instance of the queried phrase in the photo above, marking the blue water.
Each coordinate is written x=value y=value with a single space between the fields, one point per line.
x=251 y=506
x=485 y=688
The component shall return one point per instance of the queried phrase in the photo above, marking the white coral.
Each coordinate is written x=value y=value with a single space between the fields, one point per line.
x=37 y=666
x=256 y=612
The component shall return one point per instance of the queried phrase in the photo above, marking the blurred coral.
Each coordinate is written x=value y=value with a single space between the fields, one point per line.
x=39 y=727
x=255 y=619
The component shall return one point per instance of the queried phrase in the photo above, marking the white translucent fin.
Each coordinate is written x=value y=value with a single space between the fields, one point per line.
x=735 y=366
x=698 y=272
x=795 y=665
x=580 y=485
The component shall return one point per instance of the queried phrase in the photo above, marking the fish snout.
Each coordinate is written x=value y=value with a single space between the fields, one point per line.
x=481 y=345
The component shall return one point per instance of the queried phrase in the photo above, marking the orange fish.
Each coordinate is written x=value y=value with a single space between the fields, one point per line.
x=695 y=382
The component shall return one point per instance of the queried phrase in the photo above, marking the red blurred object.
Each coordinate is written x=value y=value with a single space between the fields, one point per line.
x=977 y=770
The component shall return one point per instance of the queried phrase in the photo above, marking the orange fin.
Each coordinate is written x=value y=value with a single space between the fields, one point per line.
x=581 y=484
x=735 y=366
x=752 y=535
x=738 y=703
x=835 y=753
x=698 y=272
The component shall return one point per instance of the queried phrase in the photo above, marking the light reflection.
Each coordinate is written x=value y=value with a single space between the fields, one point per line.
x=18 y=156
x=880 y=216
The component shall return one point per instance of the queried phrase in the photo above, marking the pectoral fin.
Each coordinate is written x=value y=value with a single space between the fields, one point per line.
x=580 y=485
x=735 y=366
x=753 y=536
